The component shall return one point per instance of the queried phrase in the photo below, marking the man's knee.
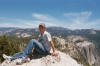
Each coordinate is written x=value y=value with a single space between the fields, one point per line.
x=33 y=40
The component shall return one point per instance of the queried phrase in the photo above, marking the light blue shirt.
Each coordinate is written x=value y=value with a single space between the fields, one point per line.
x=45 y=39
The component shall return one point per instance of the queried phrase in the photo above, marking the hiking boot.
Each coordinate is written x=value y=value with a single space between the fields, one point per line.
x=8 y=58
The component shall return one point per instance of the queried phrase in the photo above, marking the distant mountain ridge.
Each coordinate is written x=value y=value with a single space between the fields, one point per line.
x=53 y=30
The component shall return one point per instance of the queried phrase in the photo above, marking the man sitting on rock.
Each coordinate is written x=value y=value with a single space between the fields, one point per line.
x=42 y=46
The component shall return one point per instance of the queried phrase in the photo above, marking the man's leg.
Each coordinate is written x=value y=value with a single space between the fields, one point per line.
x=32 y=44
x=27 y=51
x=36 y=45
x=19 y=55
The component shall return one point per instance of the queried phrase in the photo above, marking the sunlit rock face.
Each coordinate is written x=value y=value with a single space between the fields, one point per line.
x=87 y=49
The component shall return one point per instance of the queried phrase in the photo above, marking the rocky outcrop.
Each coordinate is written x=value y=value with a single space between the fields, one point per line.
x=77 y=47
x=49 y=60
x=87 y=49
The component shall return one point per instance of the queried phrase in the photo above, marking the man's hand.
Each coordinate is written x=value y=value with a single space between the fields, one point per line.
x=32 y=51
x=55 y=54
x=53 y=48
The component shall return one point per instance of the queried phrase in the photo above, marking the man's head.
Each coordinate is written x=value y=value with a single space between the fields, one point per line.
x=42 y=28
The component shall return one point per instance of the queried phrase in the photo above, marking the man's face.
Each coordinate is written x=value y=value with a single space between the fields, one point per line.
x=41 y=29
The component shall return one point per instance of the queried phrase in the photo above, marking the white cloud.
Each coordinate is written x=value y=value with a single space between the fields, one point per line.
x=76 y=21
x=81 y=20
x=47 y=19
x=39 y=18
x=42 y=16
x=2 y=18
x=36 y=23
x=21 y=23
x=9 y=25
x=84 y=25
x=84 y=14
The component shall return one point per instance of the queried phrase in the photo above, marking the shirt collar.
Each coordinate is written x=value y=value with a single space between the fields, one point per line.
x=43 y=33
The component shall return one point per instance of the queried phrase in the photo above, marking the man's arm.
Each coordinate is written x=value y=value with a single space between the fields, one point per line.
x=53 y=48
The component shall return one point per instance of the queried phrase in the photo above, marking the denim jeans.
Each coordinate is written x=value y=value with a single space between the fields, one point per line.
x=26 y=52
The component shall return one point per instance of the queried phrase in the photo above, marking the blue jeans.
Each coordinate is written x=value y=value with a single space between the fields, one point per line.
x=27 y=51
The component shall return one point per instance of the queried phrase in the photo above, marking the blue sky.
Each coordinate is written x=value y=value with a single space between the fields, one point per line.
x=73 y=14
